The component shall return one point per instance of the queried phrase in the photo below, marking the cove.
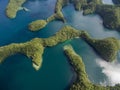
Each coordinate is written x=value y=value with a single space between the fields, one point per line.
x=93 y=25
x=16 y=73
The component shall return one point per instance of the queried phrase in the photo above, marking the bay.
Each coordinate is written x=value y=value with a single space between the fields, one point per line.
x=16 y=73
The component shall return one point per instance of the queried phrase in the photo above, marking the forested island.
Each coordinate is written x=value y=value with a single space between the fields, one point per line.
x=82 y=81
x=109 y=13
x=13 y=7
x=107 y=48
x=58 y=15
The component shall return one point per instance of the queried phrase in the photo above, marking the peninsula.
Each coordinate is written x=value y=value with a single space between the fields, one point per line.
x=13 y=7
x=58 y=15
x=82 y=81
x=109 y=13
x=34 y=49
x=107 y=48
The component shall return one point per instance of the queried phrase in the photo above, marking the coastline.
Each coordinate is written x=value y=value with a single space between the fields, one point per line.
x=82 y=82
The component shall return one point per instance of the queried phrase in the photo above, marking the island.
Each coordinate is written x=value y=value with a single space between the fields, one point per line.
x=109 y=13
x=82 y=81
x=58 y=15
x=36 y=25
x=31 y=49
x=107 y=48
x=13 y=7
x=34 y=48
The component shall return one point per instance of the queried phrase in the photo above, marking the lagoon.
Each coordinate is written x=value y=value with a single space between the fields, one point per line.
x=16 y=73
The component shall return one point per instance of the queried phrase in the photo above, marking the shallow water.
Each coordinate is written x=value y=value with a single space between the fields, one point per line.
x=93 y=25
x=16 y=73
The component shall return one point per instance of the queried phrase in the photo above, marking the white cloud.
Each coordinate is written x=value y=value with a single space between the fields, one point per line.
x=111 y=70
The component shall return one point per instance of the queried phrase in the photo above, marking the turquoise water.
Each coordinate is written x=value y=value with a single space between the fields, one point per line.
x=16 y=73
x=93 y=25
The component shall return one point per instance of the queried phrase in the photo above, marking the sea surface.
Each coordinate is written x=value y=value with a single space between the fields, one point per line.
x=17 y=73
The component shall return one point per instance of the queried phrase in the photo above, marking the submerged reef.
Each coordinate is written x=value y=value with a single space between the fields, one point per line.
x=13 y=7
x=107 y=48
x=82 y=81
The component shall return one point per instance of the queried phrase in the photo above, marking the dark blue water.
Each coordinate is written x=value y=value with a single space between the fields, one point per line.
x=16 y=30
x=16 y=73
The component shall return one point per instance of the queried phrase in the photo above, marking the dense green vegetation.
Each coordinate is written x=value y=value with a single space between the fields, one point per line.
x=64 y=34
x=58 y=15
x=36 y=25
x=35 y=48
x=78 y=4
x=107 y=48
x=82 y=81
x=31 y=49
x=91 y=6
x=110 y=15
x=13 y=7
x=58 y=8
x=60 y=4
